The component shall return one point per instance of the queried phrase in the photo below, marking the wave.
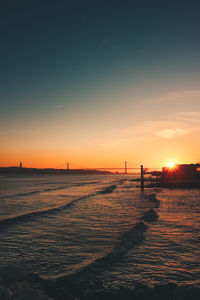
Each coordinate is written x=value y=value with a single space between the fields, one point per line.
x=30 y=215
x=130 y=238
x=46 y=190
x=152 y=197
x=127 y=241
x=33 y=192
x=150 y=216
x=156 y=189
x=108 y=189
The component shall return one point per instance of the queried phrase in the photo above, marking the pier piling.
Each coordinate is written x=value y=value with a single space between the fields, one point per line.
x=142 y=178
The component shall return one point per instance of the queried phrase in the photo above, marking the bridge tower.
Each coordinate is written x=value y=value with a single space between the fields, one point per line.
x=67 y=166
x=125 y=167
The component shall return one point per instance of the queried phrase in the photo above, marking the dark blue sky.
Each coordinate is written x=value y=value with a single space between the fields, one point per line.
x=48 y=47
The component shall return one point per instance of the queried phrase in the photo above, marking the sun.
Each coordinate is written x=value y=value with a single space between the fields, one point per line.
x=171 y=165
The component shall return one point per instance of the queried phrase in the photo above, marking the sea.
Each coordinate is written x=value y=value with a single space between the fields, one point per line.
x=102 y=226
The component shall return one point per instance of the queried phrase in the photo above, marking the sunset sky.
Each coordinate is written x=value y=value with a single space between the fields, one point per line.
x=96 y=83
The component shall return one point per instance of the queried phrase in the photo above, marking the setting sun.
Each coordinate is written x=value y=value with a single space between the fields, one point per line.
x=171 y=164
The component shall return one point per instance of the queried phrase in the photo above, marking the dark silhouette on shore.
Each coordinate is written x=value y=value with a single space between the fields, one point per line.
x=180 y=176
x=20 y=170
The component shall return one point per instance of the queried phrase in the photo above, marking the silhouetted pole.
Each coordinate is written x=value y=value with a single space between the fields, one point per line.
x=125 y=170
x=20 y=165
x=67 y=166
x=142 y=178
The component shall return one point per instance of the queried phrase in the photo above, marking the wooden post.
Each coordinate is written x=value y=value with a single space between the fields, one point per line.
x=142 y=179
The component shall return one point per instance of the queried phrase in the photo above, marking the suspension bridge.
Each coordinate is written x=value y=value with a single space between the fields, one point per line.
x=123 y=167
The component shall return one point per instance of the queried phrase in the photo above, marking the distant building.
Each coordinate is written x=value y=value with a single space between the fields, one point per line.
x=20 y=165
x=183 y=173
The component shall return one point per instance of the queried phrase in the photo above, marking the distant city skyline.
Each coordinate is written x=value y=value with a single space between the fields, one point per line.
x=97 y=83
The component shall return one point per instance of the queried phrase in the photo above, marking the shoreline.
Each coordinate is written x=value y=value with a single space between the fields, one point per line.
x=49 y=171
x=17 y=284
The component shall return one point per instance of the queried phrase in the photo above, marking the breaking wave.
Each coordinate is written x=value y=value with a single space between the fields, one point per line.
x=108 y=189
x=46 y=190
x=30 y=215
x=150 y=216
x=152 y=197
x=127 y=241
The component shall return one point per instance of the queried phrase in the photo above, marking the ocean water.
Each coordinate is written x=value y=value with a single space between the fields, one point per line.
x=100 y=226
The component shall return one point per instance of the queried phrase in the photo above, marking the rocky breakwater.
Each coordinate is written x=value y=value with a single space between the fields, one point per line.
x=168 y=291
x=17 y=284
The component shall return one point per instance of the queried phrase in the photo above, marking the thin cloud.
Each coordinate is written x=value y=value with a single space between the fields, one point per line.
x=31 y=132
x=187 y=95
x=173 y=126
x=192 y=117
x=172 y=133
x=60 y=106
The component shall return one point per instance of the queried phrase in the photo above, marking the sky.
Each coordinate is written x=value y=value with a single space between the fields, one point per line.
x=96 y=83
